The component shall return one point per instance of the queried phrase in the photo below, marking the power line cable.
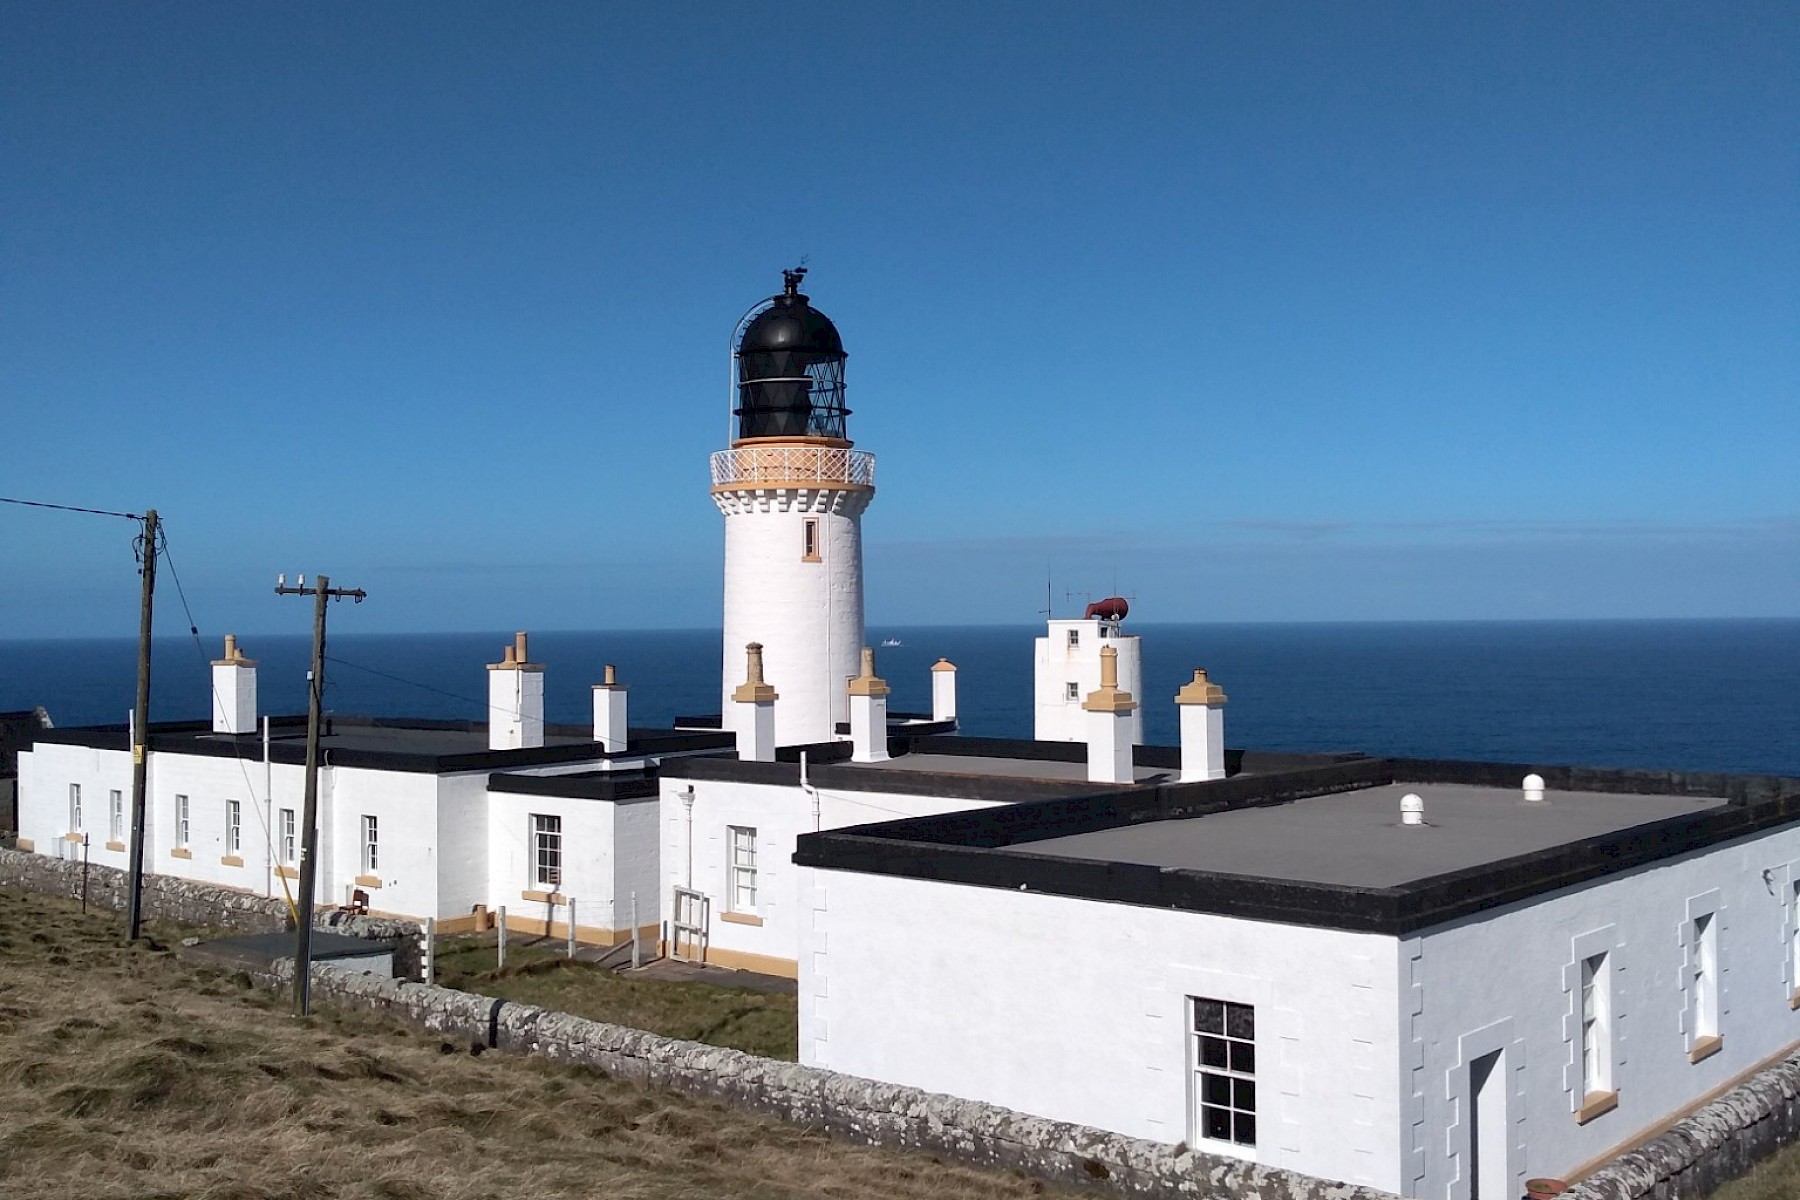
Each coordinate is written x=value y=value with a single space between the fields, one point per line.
x=343 y=662
x=75 y=508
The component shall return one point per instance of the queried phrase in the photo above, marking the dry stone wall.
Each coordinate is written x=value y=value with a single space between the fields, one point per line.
x=852 y=1109
x=1719 y=1142
x=167 y=898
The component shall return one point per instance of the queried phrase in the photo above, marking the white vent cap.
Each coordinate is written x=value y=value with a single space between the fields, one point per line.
x=1534 y=787
x=1412 y=809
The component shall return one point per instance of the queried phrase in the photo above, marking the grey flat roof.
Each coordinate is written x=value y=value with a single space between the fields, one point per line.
x=1001 y=767
x=1355 y=838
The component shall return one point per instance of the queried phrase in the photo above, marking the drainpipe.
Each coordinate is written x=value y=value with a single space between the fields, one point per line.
x=810 y=790
x=687 y=802
x=272 y=835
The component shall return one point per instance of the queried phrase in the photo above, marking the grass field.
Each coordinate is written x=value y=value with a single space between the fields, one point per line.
x=124 y=1073
x=538 y=973
x=1776 y=1178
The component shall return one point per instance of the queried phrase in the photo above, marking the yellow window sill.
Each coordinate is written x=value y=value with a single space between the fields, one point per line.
x=1594 y=1104
x=1705 y=1048
x=286 y=873
x=181 y=852
x=116 y=846
x=1794 y=1000
x=230 y=860
x=740 y=918
x=543 y=897
x=25 y=844
x=368 y=881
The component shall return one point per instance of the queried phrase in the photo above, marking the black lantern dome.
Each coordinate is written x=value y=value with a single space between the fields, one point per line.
x=791 y=370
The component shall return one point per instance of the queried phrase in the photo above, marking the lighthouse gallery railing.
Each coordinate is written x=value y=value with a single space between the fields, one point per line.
x=793 y=464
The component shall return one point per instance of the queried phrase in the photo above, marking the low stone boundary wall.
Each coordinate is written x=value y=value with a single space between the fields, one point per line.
x=848 y=1108
x=1721 y=1141
x=167 y=898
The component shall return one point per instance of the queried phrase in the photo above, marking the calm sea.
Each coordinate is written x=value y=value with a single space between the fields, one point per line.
x=1696 y=695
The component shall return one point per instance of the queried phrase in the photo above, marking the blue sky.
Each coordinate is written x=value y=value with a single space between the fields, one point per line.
x=1256 y=312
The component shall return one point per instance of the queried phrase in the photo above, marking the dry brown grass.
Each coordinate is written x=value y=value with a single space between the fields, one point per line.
x=124 y=1073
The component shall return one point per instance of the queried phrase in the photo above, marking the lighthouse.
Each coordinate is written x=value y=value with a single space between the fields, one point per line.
x=792 y=490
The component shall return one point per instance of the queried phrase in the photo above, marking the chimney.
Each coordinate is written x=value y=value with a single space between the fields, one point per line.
x=1412 y=809
x=943 y=690
x=755 y=716
x=515 y=700
x=1533 y=788
x=868 y=713
x=609 y=713
x=1202 y=704
x=1109 y=725
x=234 y=690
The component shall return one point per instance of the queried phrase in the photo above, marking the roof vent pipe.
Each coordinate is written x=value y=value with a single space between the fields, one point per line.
x=1534 y=787
x=1412 y=809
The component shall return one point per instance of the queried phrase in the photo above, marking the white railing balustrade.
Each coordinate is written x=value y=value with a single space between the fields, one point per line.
x=793 y=464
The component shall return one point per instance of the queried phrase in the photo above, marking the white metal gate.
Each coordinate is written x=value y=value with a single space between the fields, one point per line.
x=688 y=926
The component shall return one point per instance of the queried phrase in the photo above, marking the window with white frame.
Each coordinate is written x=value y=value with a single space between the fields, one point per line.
x=1223 y=1050
x=115 y=817
x=1794 y=936
x=743 y=868
x=74 y=806
x=289 y=849
x=1074 y=638
x=1596 y=1026
x=1074 y=691
x=371 y=846
x=182 y=828
x=809 y=540
x=1703 y=967
x=234 y=827
x=546 y=851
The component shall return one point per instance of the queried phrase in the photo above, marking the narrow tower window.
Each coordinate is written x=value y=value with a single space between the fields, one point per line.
x=809 y=540
x=1703 y=964
x=1074 y=638
x=1596 y=1029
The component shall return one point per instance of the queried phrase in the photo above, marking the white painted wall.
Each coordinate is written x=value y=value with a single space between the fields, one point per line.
x=637 y=863
x=462 y=844
x=1077 y=1010
x=1517 y=967
x=587 y=864
x=807 y=615
x=779 y=815
x=405 y=806
x=1061 y=719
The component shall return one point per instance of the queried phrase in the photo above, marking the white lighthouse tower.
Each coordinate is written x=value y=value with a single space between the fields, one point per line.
x=792 y=491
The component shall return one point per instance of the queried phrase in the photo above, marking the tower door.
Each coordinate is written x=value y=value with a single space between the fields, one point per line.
x=1490 y=1171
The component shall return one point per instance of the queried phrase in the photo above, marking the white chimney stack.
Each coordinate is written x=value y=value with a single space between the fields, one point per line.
x=1202 y=704
x=754 y=702
x=1412 y=809
x=943 y=690
x=609 y=713
x=868 y=713
x=515 y=700
x=234 y=690
x=1534 y=787
x=1110 y=723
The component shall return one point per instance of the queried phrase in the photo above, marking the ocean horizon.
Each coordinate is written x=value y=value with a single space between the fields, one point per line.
x=1687 y=694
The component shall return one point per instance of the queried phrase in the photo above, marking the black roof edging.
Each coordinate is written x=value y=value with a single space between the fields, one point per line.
x=982 y=847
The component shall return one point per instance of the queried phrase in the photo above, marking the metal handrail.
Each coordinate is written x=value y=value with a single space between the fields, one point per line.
x=793 y=464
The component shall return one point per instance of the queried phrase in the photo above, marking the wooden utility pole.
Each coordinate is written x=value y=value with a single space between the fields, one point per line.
x=309 y=863
x=140 y=734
